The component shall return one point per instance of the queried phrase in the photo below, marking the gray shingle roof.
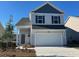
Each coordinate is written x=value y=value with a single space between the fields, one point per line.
x=24 y=21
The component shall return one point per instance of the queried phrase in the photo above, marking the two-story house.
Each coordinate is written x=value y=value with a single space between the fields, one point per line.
x=43 y=27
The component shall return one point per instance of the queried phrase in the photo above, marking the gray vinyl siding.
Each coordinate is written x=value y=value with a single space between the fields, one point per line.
x=48 y=20
x=72 y=35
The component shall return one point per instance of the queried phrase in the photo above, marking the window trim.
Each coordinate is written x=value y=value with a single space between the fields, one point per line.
x=58 y=20
x=37 y=19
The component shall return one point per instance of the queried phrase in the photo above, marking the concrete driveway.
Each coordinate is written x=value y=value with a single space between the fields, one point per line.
x=57 y=51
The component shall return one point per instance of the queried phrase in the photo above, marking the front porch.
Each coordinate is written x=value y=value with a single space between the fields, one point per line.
x=23 y=35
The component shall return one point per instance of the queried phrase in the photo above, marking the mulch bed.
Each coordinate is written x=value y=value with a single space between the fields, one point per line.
x=17 y=53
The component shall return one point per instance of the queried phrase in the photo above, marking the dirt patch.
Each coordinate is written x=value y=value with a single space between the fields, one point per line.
x=18 y=53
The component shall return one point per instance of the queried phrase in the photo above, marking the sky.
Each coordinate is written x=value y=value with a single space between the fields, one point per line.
x=21 y=9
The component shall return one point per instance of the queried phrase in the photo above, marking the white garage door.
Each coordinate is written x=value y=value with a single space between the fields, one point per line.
x=48 y=39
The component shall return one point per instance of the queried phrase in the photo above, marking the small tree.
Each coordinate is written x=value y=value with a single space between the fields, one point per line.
x=8 y=35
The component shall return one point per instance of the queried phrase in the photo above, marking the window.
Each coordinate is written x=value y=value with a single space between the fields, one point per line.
x=55 y=19
x=40 y=19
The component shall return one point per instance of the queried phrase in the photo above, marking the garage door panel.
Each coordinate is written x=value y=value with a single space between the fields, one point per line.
x=48 y=39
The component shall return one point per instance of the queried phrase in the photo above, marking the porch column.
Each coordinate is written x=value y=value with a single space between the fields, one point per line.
x=17 y=38
x=30 y=40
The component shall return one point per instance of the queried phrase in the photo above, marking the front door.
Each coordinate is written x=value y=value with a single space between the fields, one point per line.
x=22 y=38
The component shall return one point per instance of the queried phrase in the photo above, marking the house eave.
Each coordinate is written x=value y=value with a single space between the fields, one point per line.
x=48 y=27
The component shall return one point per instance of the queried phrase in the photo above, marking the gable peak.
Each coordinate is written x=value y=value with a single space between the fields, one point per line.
x=48 y=5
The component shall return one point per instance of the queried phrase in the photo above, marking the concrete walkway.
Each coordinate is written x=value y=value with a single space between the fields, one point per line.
x=57 y=51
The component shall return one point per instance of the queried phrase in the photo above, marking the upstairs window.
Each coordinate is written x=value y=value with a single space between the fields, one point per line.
x=55 y=19
x=40 y=19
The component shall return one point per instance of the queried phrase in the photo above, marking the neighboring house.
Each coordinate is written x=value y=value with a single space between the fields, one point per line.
x=1 y=29
x=43 y=27
x=72 y=30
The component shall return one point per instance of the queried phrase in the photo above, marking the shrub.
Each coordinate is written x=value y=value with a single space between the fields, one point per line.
x=12 y=45
x=73 y=43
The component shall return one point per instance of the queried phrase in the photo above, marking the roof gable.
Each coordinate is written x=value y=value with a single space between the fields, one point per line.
x=23 y=22
x=47 y=8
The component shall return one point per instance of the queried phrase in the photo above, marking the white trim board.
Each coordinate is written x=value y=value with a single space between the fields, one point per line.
x=48 y=29
x=23 y=27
